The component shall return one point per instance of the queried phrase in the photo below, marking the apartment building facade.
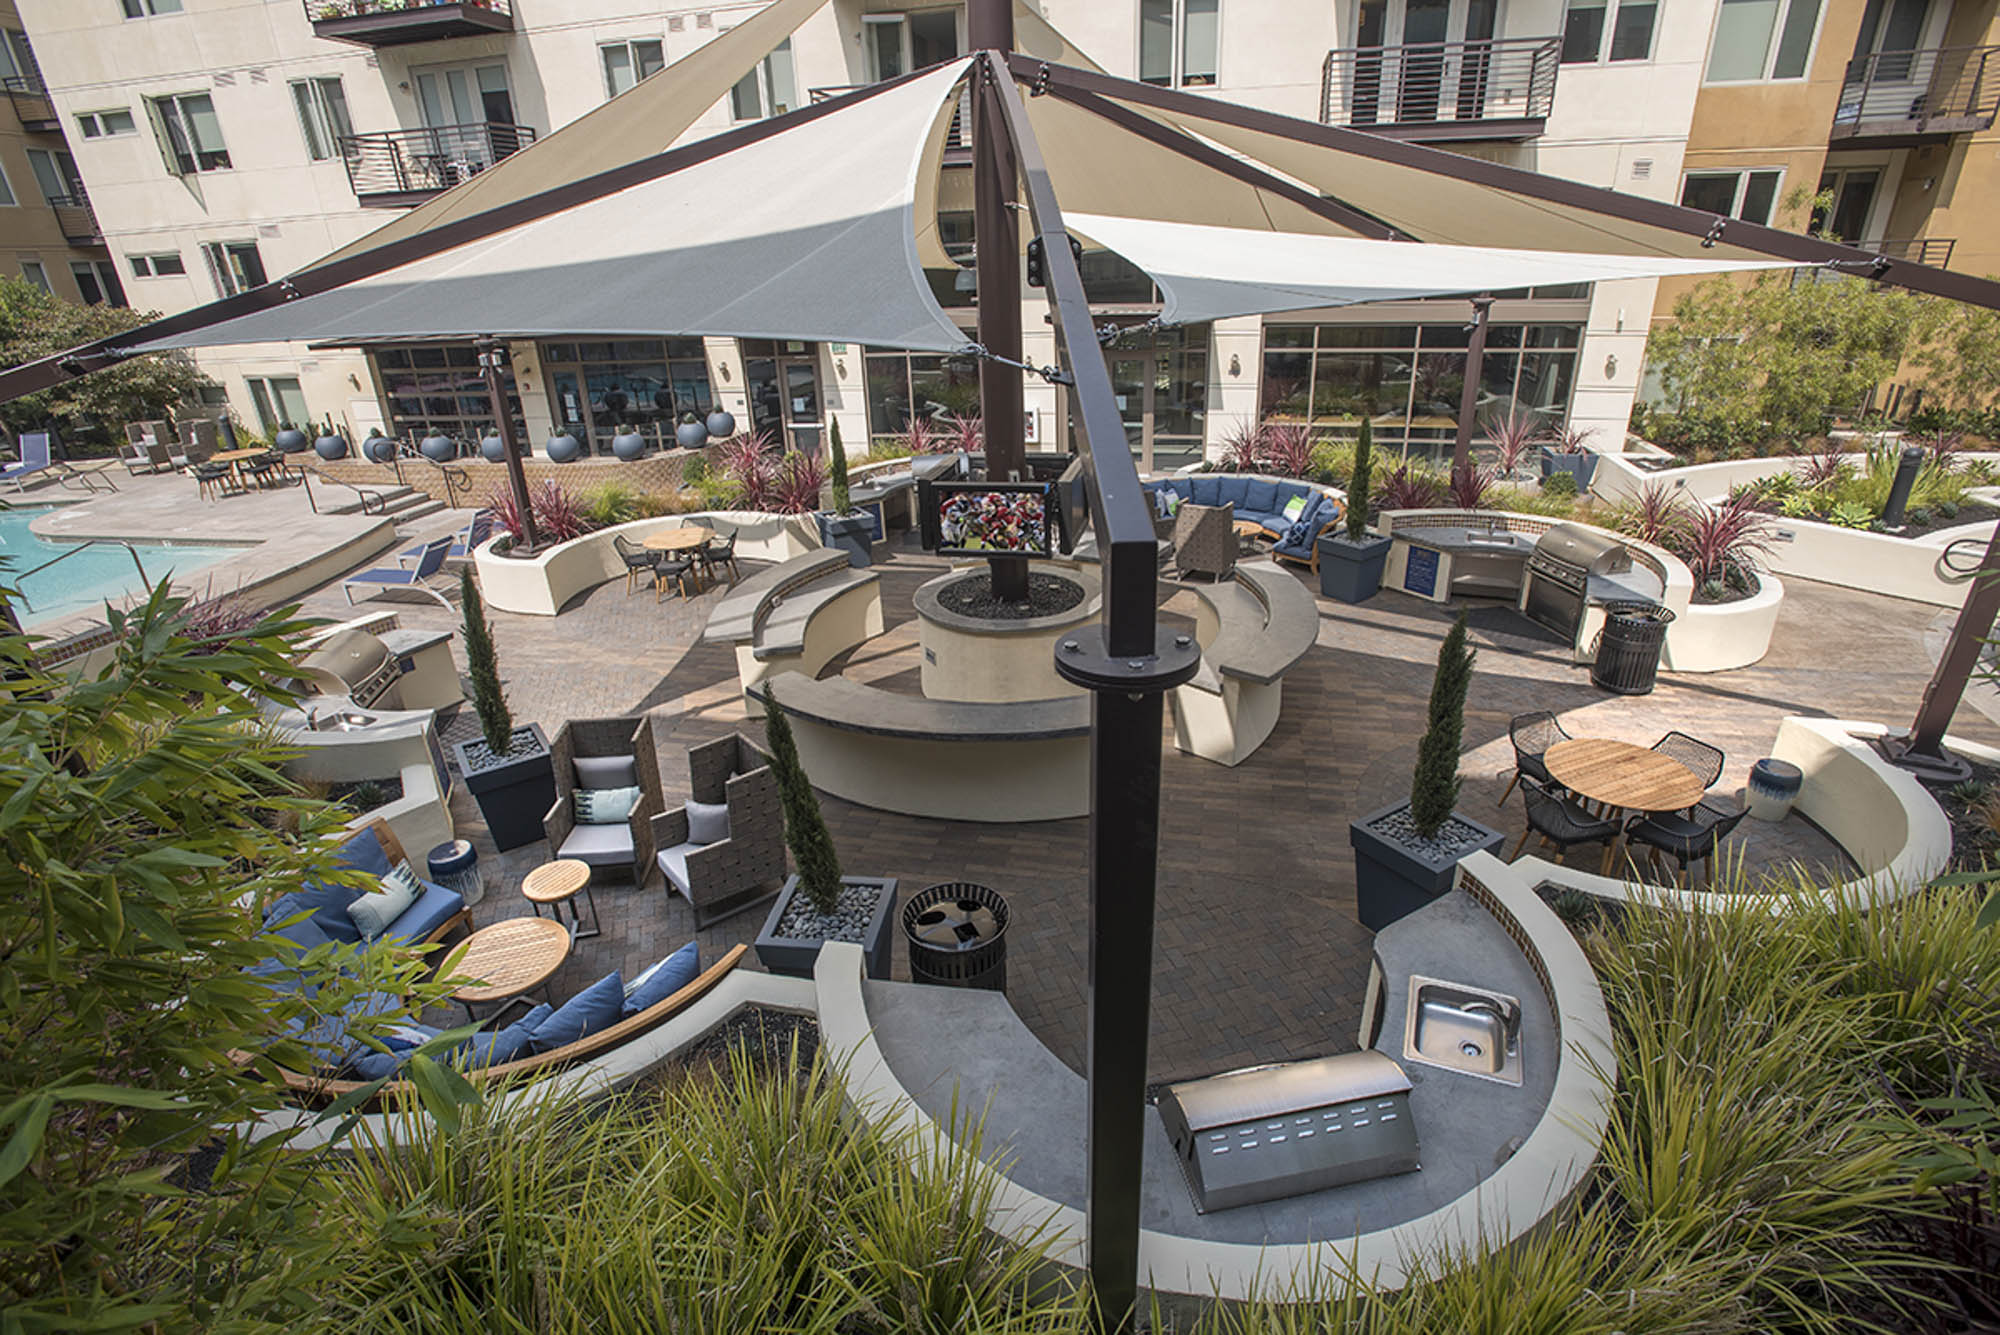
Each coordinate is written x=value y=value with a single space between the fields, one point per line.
x=252 y=136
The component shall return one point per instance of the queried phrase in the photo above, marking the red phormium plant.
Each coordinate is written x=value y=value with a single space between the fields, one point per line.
x=967 y=434
x=1405 y=490
x=1572 y=440
x=1241 y=448
x=1715 y=540
x=746 y=459
x=796 y=484
x=1469 y=486
x=558 y=517
x=922 y=436
x=213 y=619
x=1944 y=448
x=1656 y=515
x=1824 y=467
x=1287 y=449
x=1513 y=437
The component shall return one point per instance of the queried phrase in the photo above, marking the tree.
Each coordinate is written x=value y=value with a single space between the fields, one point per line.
x=34 y=325
x=837 y=470
x=1434 y=786
x=496 y=724
x=805 y=828
x=1359 y=482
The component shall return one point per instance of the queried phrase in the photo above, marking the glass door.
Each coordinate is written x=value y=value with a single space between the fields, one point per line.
x=801 y=404
x=1162 y=398
x=468 y=112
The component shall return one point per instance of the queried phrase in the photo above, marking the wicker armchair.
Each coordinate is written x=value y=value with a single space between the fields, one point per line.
x=606 y=741
x=724 y=877
x=1205 y=540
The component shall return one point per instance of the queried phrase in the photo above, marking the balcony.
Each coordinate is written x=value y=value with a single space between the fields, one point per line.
x=1932 y=250
x=399 y=168
x=1894 y=99
x=31 y=104
x=77 y=219
x=398 y=22
x=1499 y=89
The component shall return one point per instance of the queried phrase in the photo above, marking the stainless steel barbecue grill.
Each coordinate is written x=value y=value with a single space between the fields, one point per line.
x=355 y=664
x=1268 y=1132
x=1557 y=588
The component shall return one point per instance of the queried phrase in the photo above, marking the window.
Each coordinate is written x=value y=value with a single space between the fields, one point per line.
x=55 y=173
x=158 y=266
x=18 y=70
x=322 y=108
x=437 y=389
x=1757 y=40
x=767 y=90
x=1748 y=195
x=7 y=199
x=599 y=388
x=106 y=124
x=234 y=265
x=33 y=271
x=1630 y=25
x=899 y=43
x=280 y=402
x=1178 y=42
x=98 y=281
x=902 y=385
x=140 y=9
x=628 y=62
x=190 y=136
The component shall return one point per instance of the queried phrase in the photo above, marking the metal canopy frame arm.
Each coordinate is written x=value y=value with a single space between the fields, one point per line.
x=1074 y=85
x=30 y=377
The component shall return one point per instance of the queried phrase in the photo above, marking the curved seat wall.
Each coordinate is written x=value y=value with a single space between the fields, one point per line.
x=543 y=584
x=1252 y=630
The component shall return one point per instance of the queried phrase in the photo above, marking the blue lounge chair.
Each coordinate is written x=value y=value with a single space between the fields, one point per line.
x=462 y=542
x=429 y=562
x=35 y=459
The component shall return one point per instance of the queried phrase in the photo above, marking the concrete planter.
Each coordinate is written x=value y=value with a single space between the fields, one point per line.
x=438 y=449
x=794 y=956
x=514 y=794
x=1352 y=571
x=331 y=448
x=721 y=424
x=493 y=449
x=562 y=448
x=628 y=445
x=1582 y=467
x=848 y=533
x=1393 y=880
x=289 y=440
x=379 y=449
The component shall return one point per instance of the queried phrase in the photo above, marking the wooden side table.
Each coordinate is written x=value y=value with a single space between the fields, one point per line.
x=510 y=958
x=556 y=884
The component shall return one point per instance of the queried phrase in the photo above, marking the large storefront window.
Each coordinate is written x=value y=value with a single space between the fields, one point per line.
x=438 y=390
x=597 y=390
x=1408 y=379
x=902 y=385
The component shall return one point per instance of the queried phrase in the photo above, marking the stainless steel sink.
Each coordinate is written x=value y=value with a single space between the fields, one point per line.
x=1465 y=1029
x=343 y=721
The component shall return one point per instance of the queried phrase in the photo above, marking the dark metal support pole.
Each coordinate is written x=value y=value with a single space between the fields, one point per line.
x=1468 y=399
x=1924 y=750
x=990 y=25
x=517 y=475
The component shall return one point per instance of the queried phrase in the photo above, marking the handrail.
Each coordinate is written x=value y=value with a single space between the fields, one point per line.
x=455 y=478
x=1942 y=90
x=361 y=493
x=1440 y=83
x=130 y=551
x=427 y=159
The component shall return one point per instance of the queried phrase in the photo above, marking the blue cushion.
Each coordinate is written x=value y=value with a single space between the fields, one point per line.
x=435 y=907
x=1289 y=490
x=328 y=906
x=664 y=979
x=1259 y=497
x=598 y=1006
x=364 y=852
x=291 y=942
x=326 y=1036
x=1231 y=490
x=1295 y=538
x=492 y=1047
x=401 y=1040
x=1202 y=488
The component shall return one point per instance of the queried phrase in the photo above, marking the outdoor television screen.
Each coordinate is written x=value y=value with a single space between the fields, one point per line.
x=987 y=518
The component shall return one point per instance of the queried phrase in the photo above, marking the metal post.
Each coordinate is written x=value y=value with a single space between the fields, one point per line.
x=996 y=260
x=1923 y=750
x=1468 y=399
x=517 y=475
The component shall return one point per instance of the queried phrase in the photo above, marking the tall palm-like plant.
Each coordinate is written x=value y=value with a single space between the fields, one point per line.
x=1287 y=449
x=1514 y=437
x=1720 y=540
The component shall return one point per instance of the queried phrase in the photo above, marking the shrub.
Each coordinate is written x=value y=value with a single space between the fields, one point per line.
x=1434 y=785
x=797 y=483
x=694 y=470
x=1656 y=515
x=1722 y=543
x=558 y=517
x=610 y=503
x=746 y=458
x=963 y=434
x=1358 y=482
x=843 y=502
x=482 y=666
x=1849 y=514
x=1286 y=449
x=1241 y=448
x=1409 y=487
x=1559 y=484
x=806 y=834
x=1469 y=486
x=1514 y=437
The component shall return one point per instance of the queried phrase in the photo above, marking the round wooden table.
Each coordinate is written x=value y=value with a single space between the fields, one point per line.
x=556 y=884
x=510 y=958
x=1624 y=777
x=1246 y=533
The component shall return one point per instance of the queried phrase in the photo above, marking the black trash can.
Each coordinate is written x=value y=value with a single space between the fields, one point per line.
x=958 y=936
x=1628 y=648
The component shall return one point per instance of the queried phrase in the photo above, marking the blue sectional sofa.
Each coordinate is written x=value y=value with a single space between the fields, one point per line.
x=1262 y=499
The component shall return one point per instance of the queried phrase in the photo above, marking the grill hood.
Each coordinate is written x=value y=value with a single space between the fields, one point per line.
x=352 y=663
x=1585 y=549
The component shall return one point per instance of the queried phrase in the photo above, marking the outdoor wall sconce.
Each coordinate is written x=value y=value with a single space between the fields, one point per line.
x=1235 y=364
x=1611 y=366
x=725 y=370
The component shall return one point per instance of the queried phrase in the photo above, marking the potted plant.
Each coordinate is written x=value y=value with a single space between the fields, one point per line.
x=508 y=770
x=843 y=526
x=1406 y=855
x=1570 y=453
x=817 y=904
x=289 y=439
x=1350 y=563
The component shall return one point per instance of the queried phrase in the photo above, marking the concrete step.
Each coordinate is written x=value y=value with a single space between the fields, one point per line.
x=423 y=509
x=339 y=500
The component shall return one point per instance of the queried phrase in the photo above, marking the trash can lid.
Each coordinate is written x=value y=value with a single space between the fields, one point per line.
x=1772 y=767
x=452 y=855
x=1637 y=611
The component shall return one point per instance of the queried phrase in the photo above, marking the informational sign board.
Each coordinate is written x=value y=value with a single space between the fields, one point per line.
x=1420 y=572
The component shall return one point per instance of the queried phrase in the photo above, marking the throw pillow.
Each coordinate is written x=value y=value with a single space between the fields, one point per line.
x=491 y=1047
x=664 y=979
x=1295 y=507
x=605 y=806
x=374 y=911
x=708 y=822
x=598 y=1006
x=1160 y=495
x=1298 y=534
x=364 y=852
x=1174 y=503
x=606 y=772
x=401 y=1040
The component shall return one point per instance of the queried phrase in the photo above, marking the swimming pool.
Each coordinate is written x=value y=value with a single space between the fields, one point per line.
x=84 y=581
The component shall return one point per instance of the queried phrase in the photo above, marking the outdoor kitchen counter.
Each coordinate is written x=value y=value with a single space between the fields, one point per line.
x=967 y=1053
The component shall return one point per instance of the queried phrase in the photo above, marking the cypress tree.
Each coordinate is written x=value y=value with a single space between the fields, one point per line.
x=1358 y=511
x=495 y=723
x=805 y=828
x=1434 y=787
x=837 y=471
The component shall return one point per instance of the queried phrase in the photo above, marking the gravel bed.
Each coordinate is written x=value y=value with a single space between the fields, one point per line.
x=1047 y=595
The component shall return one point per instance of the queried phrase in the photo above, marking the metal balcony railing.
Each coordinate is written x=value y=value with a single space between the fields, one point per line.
x=1499 y=88
x=401 y=167
x=957 y=136
x=1910 y=94
x=31 y=102
x=395 y=22
x=1931 y=250
x=77 y=219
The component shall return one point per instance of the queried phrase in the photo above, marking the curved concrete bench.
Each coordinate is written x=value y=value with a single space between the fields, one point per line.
x=948 y=759
x=543 y=584
x=1224 y=1255
x=1252 y=631
x=796 y=617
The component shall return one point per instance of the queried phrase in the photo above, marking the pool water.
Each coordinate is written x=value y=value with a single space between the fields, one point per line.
x=84 y=581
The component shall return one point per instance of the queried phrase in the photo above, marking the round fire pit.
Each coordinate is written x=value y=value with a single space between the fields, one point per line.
x=978 y=648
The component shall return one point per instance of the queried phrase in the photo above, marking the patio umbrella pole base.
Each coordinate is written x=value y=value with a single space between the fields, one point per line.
x=1943 y=767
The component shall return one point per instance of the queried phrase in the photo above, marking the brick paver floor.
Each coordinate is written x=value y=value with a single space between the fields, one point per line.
x=1257 y=954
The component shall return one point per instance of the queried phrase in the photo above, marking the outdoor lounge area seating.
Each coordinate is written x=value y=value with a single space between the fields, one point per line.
x=1292 y=512
x=1532 y=735
x=1252 y=630
x=401 y=577
x=477 y=530
x=607 y=773
x=796 y=617
x=35 y=460
x=1559 y=821
x=724 y=849
x=1205 y=540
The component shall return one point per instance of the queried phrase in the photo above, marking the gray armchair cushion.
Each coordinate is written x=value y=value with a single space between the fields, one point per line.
x=674 y=865
x=599 y=845
x=607 y=772
x=708 y=822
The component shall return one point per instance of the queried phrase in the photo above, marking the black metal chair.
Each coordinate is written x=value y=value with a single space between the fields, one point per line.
x=638 y=561
x=679 y=569
x=262 y=469
x=1532 y=735
x=719 y=552
x=1701 y=759
x=215 y=480
x=1560 y=821
x=1686 y=838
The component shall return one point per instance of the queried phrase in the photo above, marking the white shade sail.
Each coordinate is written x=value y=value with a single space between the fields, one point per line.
x=809 y=234
x=1209 y=273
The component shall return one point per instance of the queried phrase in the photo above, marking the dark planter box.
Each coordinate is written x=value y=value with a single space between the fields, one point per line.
x=1392 y=881
x=794 y=956
x=1352 y=571
x=513 y=795
x=1582 y=467
x=849 y=533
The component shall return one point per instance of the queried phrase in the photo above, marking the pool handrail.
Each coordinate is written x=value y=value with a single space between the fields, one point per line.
x=130 y=551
